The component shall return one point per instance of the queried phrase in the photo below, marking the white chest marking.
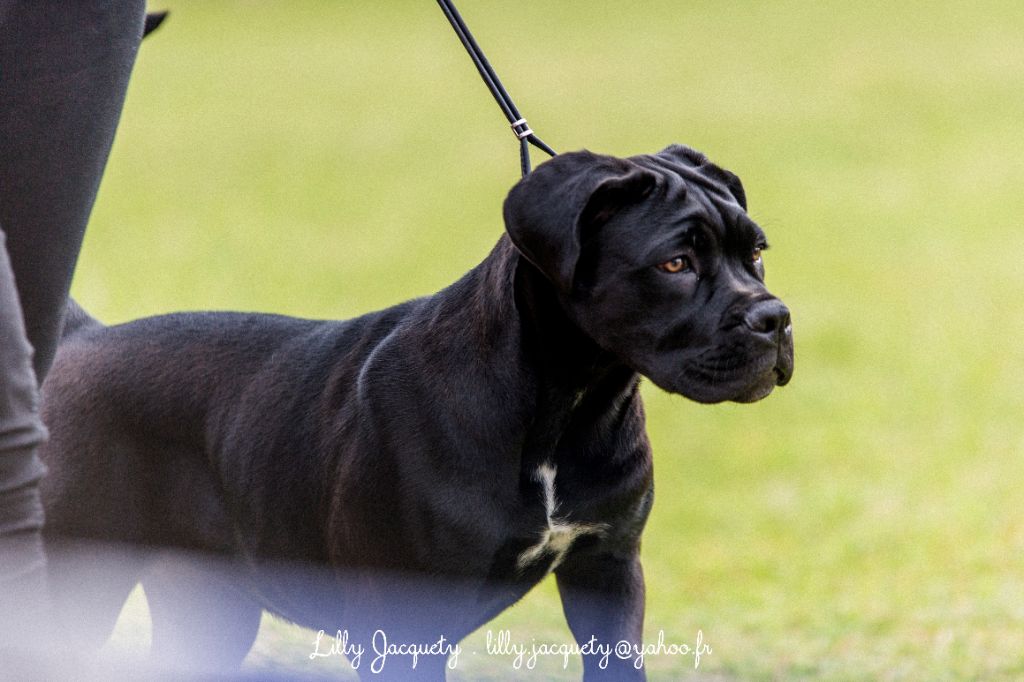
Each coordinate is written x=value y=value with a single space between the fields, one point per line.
x=560 y=533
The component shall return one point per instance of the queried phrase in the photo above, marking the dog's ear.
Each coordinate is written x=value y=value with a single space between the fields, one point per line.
x=686 y=156
x=549 y=212
x=735 y=187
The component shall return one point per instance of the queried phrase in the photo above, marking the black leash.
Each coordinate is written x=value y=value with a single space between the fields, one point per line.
x=501 y=96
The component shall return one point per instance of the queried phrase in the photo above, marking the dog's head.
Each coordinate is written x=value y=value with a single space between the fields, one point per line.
x=655 y=258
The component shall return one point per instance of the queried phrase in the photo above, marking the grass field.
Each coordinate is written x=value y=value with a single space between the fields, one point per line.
x=867 y=521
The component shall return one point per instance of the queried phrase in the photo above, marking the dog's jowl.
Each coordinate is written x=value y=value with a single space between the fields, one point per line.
x=416 y=470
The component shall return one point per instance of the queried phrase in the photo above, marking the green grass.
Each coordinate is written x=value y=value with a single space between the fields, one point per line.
x=865 y=522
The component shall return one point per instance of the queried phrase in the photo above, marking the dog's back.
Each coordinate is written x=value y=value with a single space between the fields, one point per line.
x=76 y=320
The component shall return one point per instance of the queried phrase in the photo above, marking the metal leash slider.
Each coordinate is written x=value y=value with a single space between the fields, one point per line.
x=521 y=129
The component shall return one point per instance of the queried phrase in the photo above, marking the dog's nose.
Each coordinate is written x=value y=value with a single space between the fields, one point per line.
x=768 y=318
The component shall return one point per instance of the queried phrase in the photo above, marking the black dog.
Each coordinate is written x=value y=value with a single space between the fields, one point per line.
x=465 y=444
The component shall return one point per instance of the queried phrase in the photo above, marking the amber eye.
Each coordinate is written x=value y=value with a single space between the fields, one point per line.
x=677 y=264
x=755 y=257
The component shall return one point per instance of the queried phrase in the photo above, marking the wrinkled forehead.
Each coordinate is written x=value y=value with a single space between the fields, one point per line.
x=697 y=193
x=701 y=181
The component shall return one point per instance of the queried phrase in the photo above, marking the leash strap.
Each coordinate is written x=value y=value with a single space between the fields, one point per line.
x=519 y=126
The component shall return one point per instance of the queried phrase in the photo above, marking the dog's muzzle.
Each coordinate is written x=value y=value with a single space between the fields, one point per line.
x=769 y=331
x=770 y=321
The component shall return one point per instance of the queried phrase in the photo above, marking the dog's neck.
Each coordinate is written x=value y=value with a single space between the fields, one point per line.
x=574 y=376
x=506 y=309
x=567 y=358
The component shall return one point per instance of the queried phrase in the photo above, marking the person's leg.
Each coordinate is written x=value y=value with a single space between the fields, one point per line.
x=64 y=69
x=21 y=514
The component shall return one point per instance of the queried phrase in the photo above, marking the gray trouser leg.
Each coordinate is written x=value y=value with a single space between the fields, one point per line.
x=21 y=514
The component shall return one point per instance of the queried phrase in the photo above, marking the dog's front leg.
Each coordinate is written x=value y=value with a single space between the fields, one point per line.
x=603 y=600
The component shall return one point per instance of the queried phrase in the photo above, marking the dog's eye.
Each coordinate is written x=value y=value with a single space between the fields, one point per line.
x=755 y=257
x=677 y=264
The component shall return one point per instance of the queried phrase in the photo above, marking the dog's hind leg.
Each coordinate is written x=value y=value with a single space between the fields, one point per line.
x=202 y=620
x=89 y=584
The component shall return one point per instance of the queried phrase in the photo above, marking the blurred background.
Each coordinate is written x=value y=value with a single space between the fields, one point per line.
x=326 y=159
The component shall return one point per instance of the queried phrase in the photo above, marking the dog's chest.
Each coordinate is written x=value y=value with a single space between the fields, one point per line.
x=553 y=540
